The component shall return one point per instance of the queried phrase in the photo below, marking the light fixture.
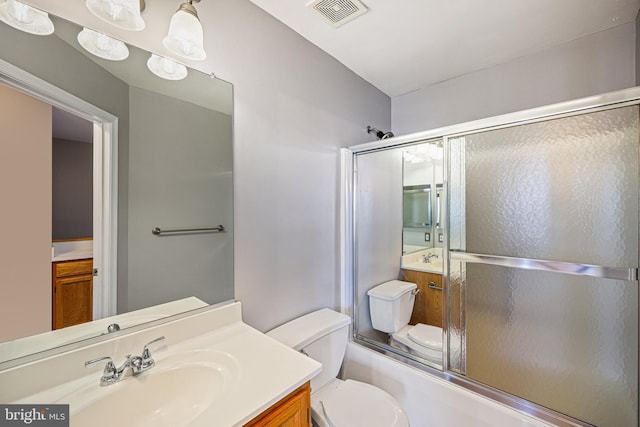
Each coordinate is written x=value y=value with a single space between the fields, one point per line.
x=166 y=68
x=26 y=18
x=121 y=13
x=185 y=37
x=102 y=45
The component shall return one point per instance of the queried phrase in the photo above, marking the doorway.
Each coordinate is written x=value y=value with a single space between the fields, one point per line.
x=104 y=204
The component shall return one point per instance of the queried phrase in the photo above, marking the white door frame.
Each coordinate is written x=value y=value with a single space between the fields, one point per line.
x=105 y=179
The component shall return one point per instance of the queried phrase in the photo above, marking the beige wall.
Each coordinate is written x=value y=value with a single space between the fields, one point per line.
x=25 y=214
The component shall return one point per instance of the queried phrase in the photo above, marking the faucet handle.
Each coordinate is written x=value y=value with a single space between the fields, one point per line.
x=147 y=360
x=110 y=374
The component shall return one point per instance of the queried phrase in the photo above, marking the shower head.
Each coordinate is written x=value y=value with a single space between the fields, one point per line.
x=379 y=133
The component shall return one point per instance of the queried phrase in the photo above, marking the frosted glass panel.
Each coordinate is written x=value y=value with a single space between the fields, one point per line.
x=564 y=189
x=569 y=343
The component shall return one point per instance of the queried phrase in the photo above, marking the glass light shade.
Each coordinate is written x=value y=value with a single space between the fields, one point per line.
x=25 y=18
x=185 y=37
x=102 y=45
x=121 y=13
x=166 y=68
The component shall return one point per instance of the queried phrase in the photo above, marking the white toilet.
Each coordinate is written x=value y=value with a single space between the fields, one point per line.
x=323 y=336
x=391 y=304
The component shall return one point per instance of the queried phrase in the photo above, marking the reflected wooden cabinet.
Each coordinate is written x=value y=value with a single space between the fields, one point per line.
x=427 y=308
x=292 y=411
x=72 y=292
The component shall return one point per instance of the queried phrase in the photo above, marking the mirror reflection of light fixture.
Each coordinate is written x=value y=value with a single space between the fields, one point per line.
x=25 y=18
x=102 y=45
x=121 y=13
x=185 y=37
x=166 y=68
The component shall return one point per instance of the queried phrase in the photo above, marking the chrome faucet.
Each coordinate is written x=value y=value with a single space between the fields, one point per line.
x=138 y=365
x=426 y=258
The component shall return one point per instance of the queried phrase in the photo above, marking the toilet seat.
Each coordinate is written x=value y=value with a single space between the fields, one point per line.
x=422 y=340
x=426 y=336
x=356 y=404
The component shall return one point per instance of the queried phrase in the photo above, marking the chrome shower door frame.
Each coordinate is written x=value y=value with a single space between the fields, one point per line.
x=607 y=101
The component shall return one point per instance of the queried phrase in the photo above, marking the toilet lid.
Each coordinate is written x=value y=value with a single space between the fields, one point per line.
x=427 y=336
x=357 y=404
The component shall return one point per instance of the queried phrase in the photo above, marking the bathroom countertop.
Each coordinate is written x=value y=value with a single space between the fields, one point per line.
x=422 y=267
x=270 y=371
x=264 y=371
x=414 y=261
x=40 y=342
x=71 y=250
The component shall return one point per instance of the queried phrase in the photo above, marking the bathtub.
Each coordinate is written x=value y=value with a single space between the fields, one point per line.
x=428 y=400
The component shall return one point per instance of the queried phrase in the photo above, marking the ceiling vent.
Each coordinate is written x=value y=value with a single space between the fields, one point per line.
x=338 y=12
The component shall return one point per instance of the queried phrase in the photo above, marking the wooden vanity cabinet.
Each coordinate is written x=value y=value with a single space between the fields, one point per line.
x=427 y=308
x=72 y=292
x=292 y=411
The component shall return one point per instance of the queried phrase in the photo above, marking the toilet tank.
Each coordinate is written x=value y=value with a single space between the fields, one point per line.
x=321 y=335
x=391 y=305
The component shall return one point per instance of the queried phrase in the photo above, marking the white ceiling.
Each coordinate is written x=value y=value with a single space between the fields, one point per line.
x=403 y=45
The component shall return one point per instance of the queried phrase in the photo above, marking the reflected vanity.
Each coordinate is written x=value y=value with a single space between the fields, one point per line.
x=173 y=158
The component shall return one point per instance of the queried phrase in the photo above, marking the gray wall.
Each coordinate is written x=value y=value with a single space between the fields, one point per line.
x=295 y=106
x=180 y=157
x=587 y=66
x=72 y=210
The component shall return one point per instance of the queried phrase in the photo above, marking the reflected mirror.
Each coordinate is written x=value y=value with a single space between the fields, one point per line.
x=422 y=179
x=171 y=145
x=398 y=189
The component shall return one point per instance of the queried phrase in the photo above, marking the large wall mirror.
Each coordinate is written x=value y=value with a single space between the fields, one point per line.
x=164 y=162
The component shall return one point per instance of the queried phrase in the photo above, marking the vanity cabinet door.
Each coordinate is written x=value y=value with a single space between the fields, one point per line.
x=292 y=411
x=72 y=293
x=427 y=308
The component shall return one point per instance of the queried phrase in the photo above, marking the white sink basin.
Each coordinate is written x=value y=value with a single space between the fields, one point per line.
x=433 y=265
x=172 y=393
x=415 y=261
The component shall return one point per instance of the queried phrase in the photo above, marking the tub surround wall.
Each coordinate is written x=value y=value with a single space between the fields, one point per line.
x=591 y=65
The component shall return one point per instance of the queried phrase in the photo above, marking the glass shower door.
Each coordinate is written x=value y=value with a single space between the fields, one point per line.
x=543 y=239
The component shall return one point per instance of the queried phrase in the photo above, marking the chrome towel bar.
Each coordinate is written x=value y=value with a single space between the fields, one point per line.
x=433 y=285
x=158 y=231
